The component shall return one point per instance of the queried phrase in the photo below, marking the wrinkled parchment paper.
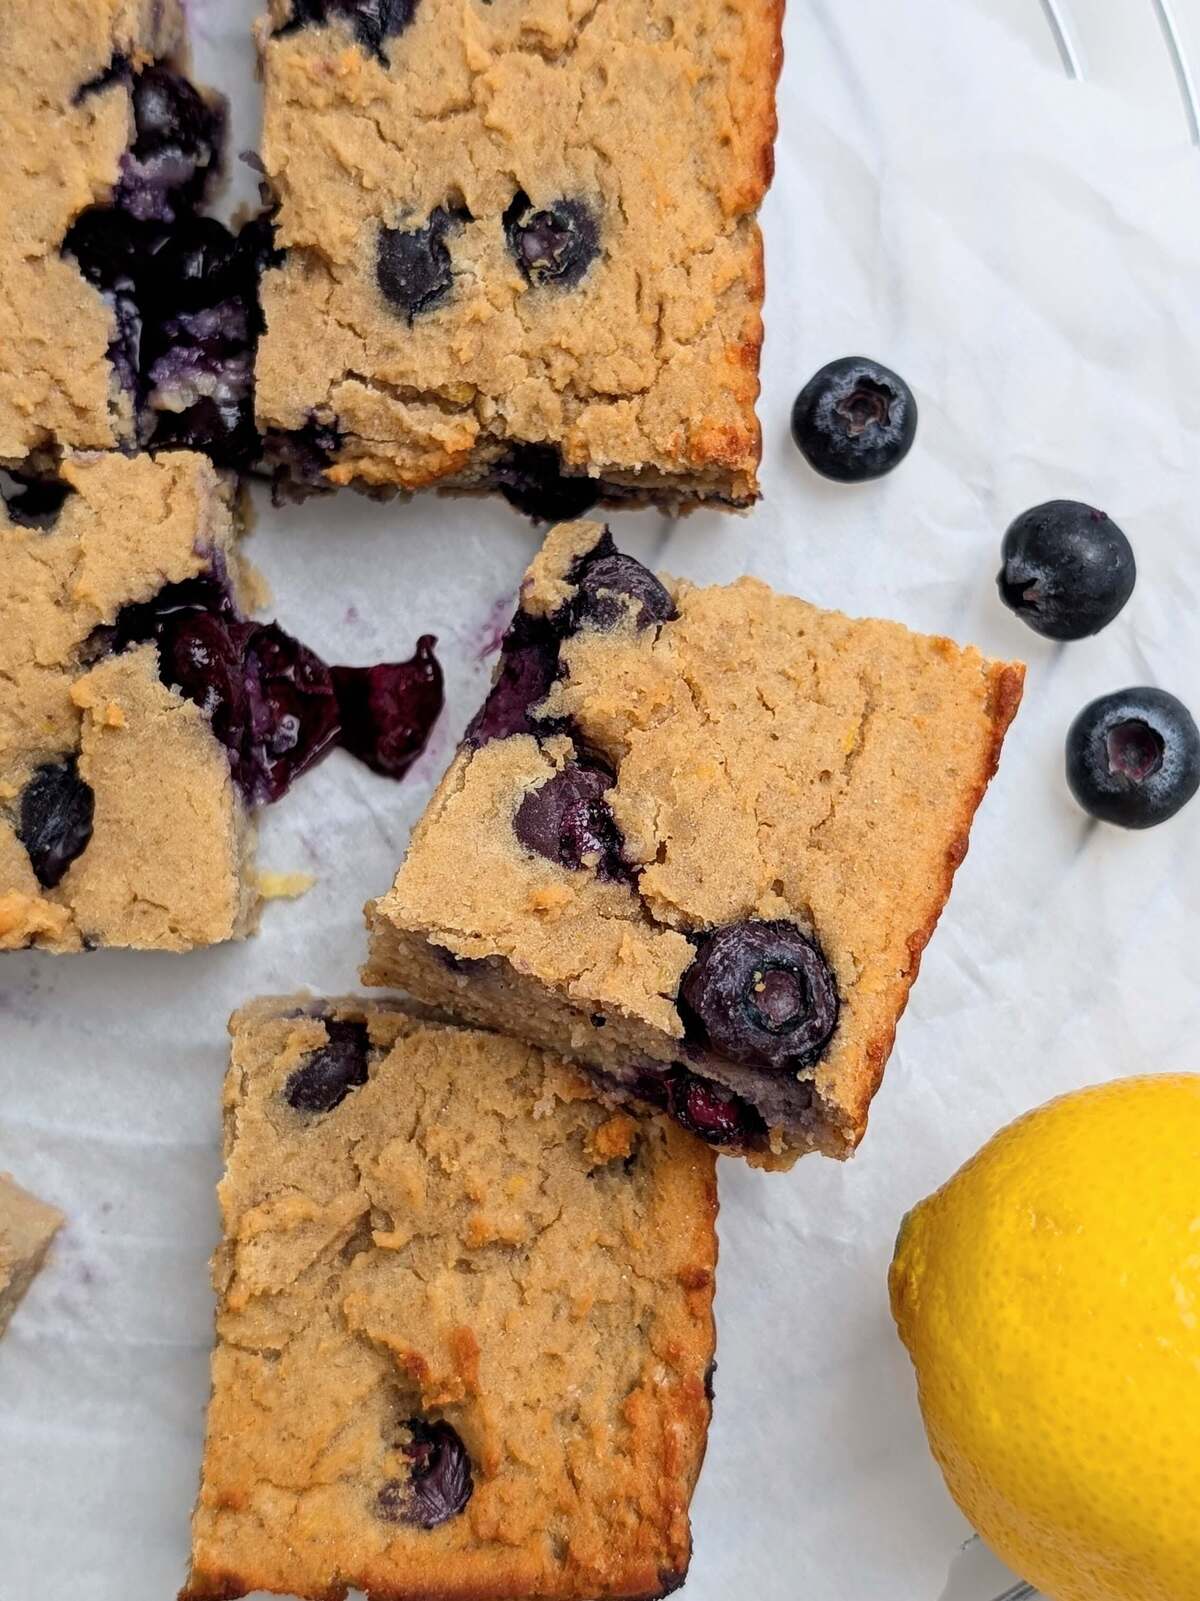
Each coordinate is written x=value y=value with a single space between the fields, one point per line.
x=1026 y=250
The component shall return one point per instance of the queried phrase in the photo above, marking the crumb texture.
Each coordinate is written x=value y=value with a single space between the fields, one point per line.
x=167 y=864
x=654 y=124
x=771 y=761
x=27 y=1227
x=468 y=1238
x=62 y=153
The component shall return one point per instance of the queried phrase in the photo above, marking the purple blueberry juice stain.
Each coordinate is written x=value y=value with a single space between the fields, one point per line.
x=275 y=706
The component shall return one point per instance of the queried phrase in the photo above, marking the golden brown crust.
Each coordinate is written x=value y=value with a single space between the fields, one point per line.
x=644 y=374
x=468 y=1237
x=1006 y=682
x=772 y=762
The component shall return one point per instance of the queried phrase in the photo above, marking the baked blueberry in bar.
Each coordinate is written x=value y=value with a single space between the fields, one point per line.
x=127 y=317
x=27 y=1227
x=520 y=247
x=143 y=718
x=464 y=1321
x=698 y=838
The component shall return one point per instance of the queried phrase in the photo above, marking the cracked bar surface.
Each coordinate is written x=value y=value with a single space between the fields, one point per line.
x=521 y=247
x=62 y=153
x=464 y=1325
x=159 y=856
x=27 y=1227
x=727 y=923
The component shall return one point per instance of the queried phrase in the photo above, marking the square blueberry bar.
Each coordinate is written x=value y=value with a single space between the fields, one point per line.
x=698 y=839
x=521 y=247
x=144 y=718
x=464 y=1323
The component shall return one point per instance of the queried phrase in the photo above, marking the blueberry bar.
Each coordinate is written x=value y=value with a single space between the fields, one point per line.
x=143 y=718
x=464 y=1322
x=698 y=838
x=27 y=1227
x=127 y=316
x=520 y=246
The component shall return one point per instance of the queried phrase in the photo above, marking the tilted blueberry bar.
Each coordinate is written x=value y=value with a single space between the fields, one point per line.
x=698 y=839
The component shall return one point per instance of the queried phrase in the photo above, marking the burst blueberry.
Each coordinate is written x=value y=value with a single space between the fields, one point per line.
x=568 y=820
x=439 y=1482
x=388 y=710
x=328 y=1074
x=412 y=265
x=54 y=820
x=555 y=245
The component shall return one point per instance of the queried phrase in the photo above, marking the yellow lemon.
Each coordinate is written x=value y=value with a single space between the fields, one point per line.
x=1049 y=1296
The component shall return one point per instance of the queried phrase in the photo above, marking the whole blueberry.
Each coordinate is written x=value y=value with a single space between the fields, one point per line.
x=760 y=993
x=1067 y=569
x=1133 y=757
x=388 y=710
x=54 y=821
x=556 y=245
x=412 y=265
x=439 y=1483
x=327 y=1075
x=530 y=477
x=613 y=587
x=854 y=420
x=569 y=821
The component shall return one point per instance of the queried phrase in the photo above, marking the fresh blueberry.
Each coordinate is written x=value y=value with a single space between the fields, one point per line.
x=530 y=477
x=328 y=1074
x=611 y=586
x=556 y=245
x=31 y=500
x=527 y=668
x=412 y=266
x=387 y=711
x=55 y=819
x=569 y=821
x=713 y=1112
x=373 y=21
x=1067 y=569
x=854 y=420
x=439 y=1483
x=1133 y=757
x=760 y=993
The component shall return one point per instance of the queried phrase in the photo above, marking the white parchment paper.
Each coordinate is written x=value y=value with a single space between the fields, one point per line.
x=1026 y=250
